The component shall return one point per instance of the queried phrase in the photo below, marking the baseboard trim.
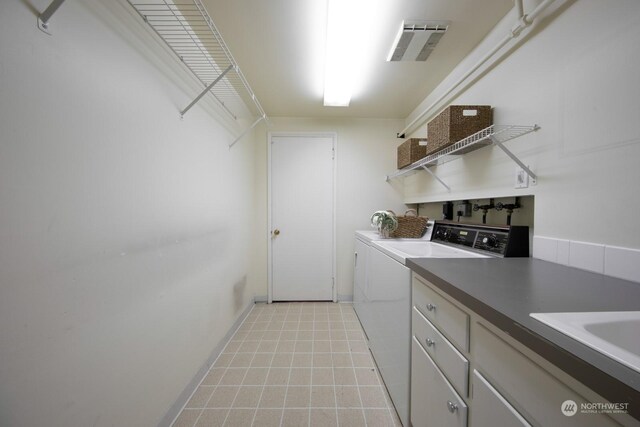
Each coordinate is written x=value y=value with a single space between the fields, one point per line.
x=345 y=298
x=173 y=412
x=260 y=298
x=341 y=298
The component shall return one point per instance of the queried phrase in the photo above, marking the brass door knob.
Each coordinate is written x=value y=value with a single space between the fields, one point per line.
x=276 y=232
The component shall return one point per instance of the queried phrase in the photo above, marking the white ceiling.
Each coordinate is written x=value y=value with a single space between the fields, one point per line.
x=273 y=42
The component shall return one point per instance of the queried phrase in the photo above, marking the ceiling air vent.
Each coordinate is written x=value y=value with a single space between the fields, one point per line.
x=416 y=40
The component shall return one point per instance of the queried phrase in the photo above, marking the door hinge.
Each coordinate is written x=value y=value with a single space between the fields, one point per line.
x=333 y=153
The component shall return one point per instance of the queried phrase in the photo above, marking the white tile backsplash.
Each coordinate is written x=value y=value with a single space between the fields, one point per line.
x=545 y=248
x=563 y=251
x=587 y=256
x=623 y=263
x=550 y=249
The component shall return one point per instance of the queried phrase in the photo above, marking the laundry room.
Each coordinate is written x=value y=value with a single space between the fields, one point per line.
x=317 y=213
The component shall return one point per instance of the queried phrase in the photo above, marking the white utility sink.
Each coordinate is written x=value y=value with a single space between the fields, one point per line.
x=400 y=250
x=613 y=333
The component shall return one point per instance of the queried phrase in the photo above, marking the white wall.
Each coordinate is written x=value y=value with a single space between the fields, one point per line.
x=366 y=152
x=578 y=80
x=124 y=231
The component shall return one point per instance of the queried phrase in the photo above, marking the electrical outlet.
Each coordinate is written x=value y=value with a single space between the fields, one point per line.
x=522 y=178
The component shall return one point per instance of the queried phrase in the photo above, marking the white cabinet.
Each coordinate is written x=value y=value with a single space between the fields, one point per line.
x=490 y=409
x=450 y=320
x=452 y=363
x=434 y=403
x=453 y=346
x=439 y=370
x=526 y=384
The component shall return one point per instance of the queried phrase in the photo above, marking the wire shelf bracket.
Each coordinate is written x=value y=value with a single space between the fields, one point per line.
x=187 y=29
x=44 y=17
x=513 y=157
x=493 y=135
x=247 y=130
x=204 y=92
x=437 y=178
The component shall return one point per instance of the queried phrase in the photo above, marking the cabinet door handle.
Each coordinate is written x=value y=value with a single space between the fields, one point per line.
x=430 y=342
x=453 y=407
x=431 y=307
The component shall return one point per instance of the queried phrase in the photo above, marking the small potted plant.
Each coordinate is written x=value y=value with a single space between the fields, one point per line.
x=385 y=221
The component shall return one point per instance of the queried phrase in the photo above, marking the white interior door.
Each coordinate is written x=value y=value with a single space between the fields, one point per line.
x=302 y=217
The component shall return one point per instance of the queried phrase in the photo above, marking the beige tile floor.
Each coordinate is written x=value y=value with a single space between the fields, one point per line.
x=293 y=364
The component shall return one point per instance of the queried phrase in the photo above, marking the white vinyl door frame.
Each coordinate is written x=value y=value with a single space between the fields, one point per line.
x=270 y=136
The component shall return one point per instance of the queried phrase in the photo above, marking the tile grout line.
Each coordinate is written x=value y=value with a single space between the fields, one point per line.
x=239 y=387
x=364 y=417
x=243 y=378
x=209 y=370
x=333 y=378
x=286 y=393
x=335 y=393
x=268 y=371
x=313 y=329
x=264 y=318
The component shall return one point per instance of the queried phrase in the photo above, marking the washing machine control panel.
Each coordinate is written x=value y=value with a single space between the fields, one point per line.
x=496 y=240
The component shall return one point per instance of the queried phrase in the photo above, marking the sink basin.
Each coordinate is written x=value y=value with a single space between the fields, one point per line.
x=613 y=333
x=400 y=250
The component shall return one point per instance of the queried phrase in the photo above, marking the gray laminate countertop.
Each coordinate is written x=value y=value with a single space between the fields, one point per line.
x=506 y=290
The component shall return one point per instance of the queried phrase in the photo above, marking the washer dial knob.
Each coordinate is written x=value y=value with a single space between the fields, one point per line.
x=490 y=241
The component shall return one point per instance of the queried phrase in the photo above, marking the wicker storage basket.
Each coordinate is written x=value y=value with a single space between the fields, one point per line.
x=457 y=122
x=410 y=151
x=410 y=226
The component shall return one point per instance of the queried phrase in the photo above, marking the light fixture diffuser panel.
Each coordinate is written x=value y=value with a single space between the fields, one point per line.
x=416 y=40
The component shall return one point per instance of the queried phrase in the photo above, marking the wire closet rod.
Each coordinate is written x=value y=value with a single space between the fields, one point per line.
x=188 y=30
x=524 y=21
x=44 y=17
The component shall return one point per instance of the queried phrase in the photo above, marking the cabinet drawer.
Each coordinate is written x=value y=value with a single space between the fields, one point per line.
x=433 y=401
x=490 y=408
x=450 y=361
x=449 y=319
x=532 y=390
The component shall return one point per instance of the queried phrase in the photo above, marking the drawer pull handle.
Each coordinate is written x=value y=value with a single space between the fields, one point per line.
x=430 y=342
x=453 y=407
x=431 y=307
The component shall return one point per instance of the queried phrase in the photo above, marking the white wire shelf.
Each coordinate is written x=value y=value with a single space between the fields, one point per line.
x=492 y=135
x=188 y=30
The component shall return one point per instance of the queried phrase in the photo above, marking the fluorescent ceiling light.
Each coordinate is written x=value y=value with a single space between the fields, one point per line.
x=352 y=49
x=338 y=75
